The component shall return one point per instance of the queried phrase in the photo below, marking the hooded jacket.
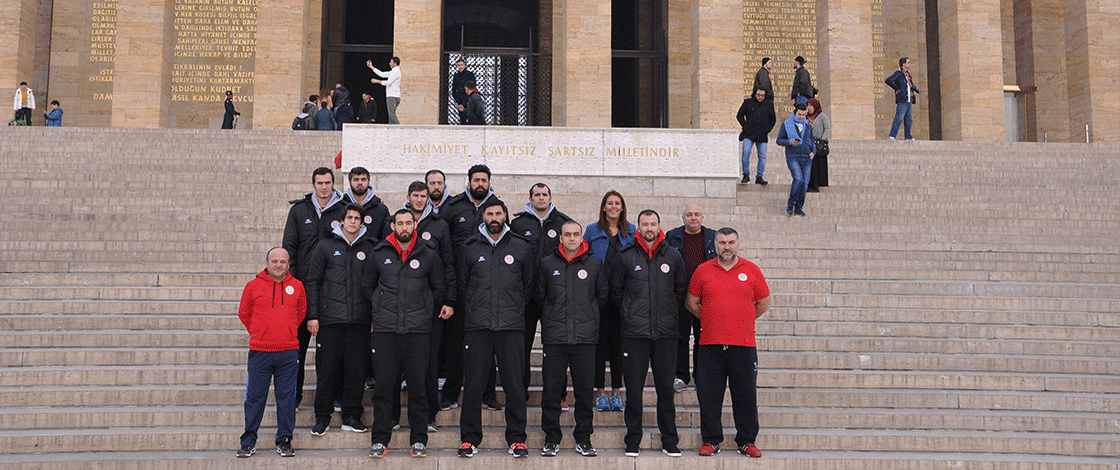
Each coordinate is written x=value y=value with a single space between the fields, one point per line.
x=757 y=119
x=376 y=214
x=649 y=287
x=306 y=226
x=493 y=280
x=571 y=292
x=543 y=234
x=463 y=216
x=476 y=109
x=788 y=132
x=405 y=284
x=430 y=228
x=272 y=312
x=334 y=279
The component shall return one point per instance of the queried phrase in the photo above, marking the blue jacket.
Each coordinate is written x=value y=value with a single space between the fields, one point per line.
x=805 y=147
x=324 y=120
x=897 y=82
x=54 y=118
x=600 y=242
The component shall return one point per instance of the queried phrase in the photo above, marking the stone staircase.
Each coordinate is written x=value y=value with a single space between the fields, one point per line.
x=944 y=305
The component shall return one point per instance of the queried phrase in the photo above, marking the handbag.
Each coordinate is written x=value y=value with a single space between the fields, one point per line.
x=822 y=147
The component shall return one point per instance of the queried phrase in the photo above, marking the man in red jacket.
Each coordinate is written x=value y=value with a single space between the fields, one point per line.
x=273 y=305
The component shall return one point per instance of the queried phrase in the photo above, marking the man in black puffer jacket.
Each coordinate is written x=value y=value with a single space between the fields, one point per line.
x=649 y=283
x=494 y=270
x=405 y=282
x=339 y=316
x=572 y=286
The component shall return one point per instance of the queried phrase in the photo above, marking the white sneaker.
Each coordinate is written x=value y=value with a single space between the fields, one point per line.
x=678 y=385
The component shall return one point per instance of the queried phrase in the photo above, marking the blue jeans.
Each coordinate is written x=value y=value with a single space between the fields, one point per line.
x=263 y=367
x=903 y=113
x=748 y=144
x=800 y=168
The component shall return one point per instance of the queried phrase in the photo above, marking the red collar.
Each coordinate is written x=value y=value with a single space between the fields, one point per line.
x=649 y=249
x=579 y=252
x=405 y=252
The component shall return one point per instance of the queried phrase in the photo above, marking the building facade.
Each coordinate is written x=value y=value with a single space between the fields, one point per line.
x=988 y=70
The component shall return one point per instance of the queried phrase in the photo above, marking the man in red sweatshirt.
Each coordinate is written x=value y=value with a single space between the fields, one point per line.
x=273 y=305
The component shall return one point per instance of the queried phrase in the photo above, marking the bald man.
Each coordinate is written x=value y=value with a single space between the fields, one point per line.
x=696 y=243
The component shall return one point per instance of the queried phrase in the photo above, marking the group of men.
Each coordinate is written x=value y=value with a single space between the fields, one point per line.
x=462 y=276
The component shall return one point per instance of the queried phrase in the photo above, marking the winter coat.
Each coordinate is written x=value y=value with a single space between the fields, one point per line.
x=404 y=292
x=649 y=291
x=757 y=119
x=334 y=279
x=571 y=293
x=304 y=228
x=494 y=281
x=544 y=236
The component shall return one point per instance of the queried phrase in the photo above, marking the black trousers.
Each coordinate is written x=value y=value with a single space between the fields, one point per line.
x=340 y=366
x=558 y=358
x=304 y=342
x=431 y=383
x=718 y=366
x=639 y=356
x=532 y=317
x=396 y=353
x=24 y=113
x=610 y=329
x=688 y=322
x=452 y=354
x=479 y=349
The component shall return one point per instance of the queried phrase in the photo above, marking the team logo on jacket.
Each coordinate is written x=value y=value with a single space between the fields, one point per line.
x=528 y=233
x=369 y=219
x=509 y=259
x=556 y=272
x=481 y=259
x=361 y=256
x=337 y=253
x=664 y=267
x=462 y=219
x=307 y=221
x=415 y=264
x=551 y=233
x=743 y=277
x=290 y=290
x=582 y=274
x=426 y=235
x=637 y=267
x=388 y=261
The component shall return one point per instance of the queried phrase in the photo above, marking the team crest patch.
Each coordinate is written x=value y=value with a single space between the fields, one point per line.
x=337 y=253
x=582 y=274
x=664 y=267
x=528 y=233
x=556 y=272
x=426 y=235
x=743 y=276
x=369 y=220
x=307 y=221
x=290 y=290
x=551 y=233
x=361 y=256
x=415 y=264
x=334 y=224
x=509 y=259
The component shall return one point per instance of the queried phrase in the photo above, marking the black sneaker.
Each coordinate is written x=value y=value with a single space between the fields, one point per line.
x=321 y=427
x=550 y=450
x=586 y=450
x=418 y=450
x=370 y=383
x=518 y=450
x=352 y=424
x=632 y=451
x=246 y=451
x=789 y=210
x=746 y=179
x=432 y=427
x=284 y=447
x=798 y=212
x=378 y=450
x=492 y=404
x=761 y=181
x=448 y=405
x=671 y=450
x=467 y=450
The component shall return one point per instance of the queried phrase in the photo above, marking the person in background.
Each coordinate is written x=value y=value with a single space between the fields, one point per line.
x=822 y=132
x=54 y=117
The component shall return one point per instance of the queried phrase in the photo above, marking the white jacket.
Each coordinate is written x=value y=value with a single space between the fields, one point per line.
x=17 y=102
x=392 y=81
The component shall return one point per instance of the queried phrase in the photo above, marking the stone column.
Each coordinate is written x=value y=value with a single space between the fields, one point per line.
x=1093 y=72
x=845 y=75
x=142 y=69
x=1040 y=51
x=581 y=63
x=417 y=37
x=18 y=28
x=680 y=55
x=717 y=86
x=971 y=70
x=278 y=85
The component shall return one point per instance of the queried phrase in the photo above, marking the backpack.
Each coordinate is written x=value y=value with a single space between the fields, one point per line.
x=303 y=122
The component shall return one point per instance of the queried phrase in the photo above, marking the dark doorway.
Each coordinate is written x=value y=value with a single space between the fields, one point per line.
x=355 y=31
x=639 y=65
x=501 y=43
